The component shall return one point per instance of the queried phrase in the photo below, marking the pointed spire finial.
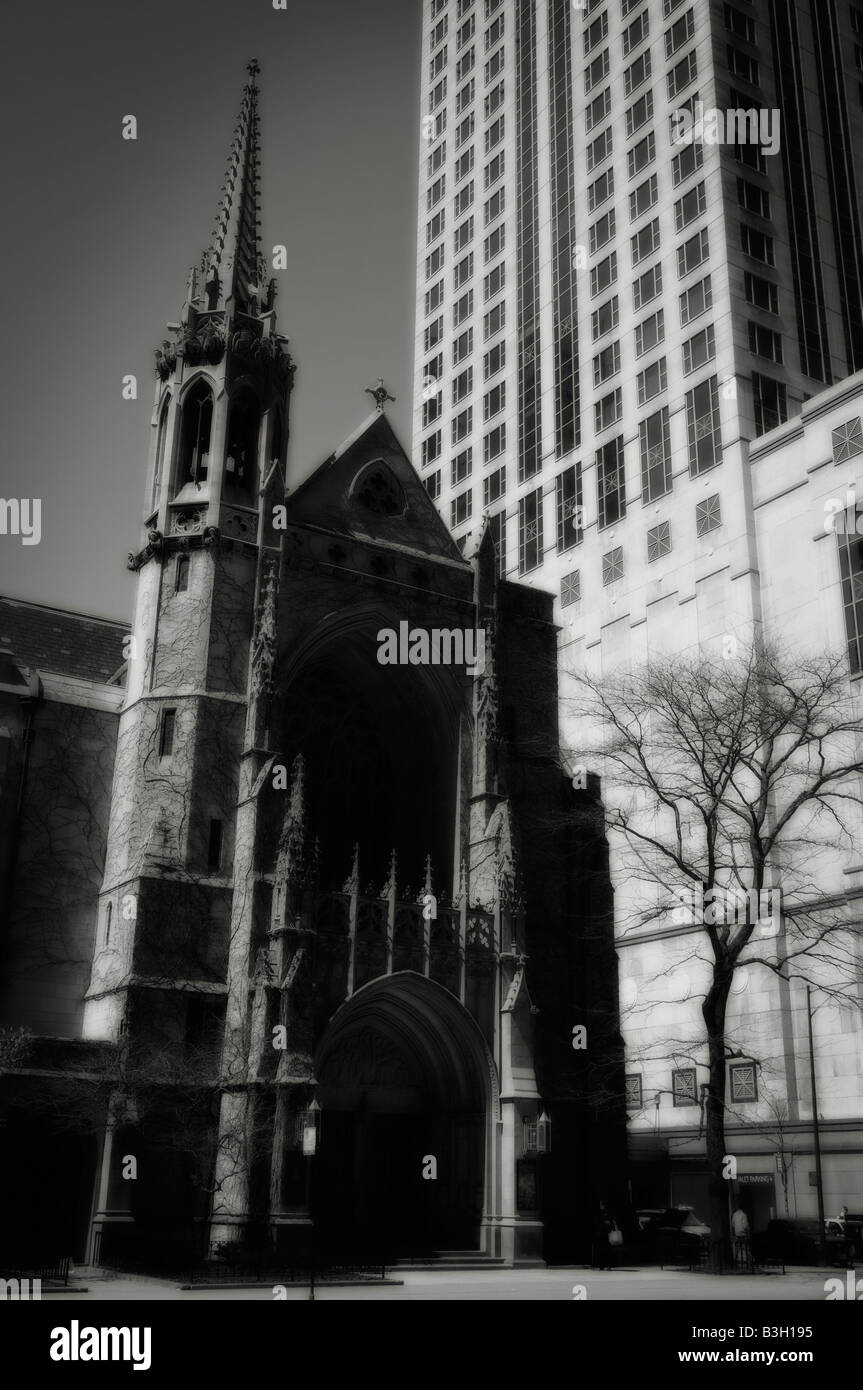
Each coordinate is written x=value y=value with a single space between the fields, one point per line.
x=380 y=393
x=253 y=67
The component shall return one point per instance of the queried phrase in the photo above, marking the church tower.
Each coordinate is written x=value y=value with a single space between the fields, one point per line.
x=200 y=645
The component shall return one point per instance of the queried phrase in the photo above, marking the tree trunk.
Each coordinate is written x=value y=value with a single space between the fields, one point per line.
x=713 y=1011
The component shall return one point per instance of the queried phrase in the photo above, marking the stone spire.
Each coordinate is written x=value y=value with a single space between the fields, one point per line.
x=232 y=268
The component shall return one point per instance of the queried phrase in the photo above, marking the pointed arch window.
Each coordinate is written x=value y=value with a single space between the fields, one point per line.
x=241 y=455
x=194 y=459
x=109 y=912
x=161 y=443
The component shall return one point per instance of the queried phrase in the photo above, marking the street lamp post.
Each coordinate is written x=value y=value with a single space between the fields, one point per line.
x=815 y=1132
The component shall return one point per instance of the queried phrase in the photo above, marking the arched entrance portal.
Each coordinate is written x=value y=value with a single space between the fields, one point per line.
x=404 y=1077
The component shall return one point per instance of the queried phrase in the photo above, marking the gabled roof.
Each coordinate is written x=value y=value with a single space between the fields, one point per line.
x=369 y=490
x=67 y=644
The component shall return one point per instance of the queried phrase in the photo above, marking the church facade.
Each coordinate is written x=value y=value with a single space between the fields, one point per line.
x=347 y=922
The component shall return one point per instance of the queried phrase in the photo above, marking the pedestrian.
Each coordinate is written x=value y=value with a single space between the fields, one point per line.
x=606 y=1236
x=740 y=1234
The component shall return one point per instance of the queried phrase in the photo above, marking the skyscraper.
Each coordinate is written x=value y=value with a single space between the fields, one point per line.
x=612 y=296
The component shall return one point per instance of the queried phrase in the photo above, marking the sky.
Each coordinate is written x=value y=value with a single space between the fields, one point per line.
x=99 y=234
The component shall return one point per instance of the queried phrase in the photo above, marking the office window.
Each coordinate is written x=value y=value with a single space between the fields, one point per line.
x=465 y=96
x=750 y=155
x=432 y=409
x=436 y=159
x=494 y=401
x=493 y=33
x=851 y=575
x=650 y=333
x=431 y=448
x=739 y=24
x=463 y=7
x=493 y=487
x=439 y=31
x=610 y=483
x=495 y=206
x=494 y=360
x=530 y=531
x=690 y=206
x=595 y=33
x=679 y=33
x=494 y=170
x=639 y=114
x=757 y=244
x=466 y=31
x=683 y=1090
x=462 y=425
x=598 y=109
x=636 y=33
x=462 y=347
x=632 y=1083
x=641 y=155
x=462 y=465
x=434 y=297
x=495 y=242
x=462 y=272
x=568 y=508
x=608 y=410
x=645 y=242
x=437 y=94
x=599 y=149
x=658 y=541
x=693 y=252
x=605 y=317
x=434 y=227
x=687 y=163
x=695 y=301
x=465 y=64
x=437 y=64
x=600 y=189
x=464 y=164
x=647 y=286
x=597 y=70
x=436 y=192
x=643 y=198
x=744 y=1086
x=433 y=369
x=606 y=363
x=434 y=262
x=651 y=381
x=636 y=73
x=742 y=65
x=497 y=527
x=698 y=349
x=753 y=198
x=494 y=134
x=764 y=342
x=494 y=444
x=462 y=236
x=432 y=484
x=494 y=321
x=464 y=130
x=167 y=729
x=570 y=589
x=462 y=309
x=463 y=200
x=601 y=232
x=612 y=566
x=603 y=274
x=703 y=427
x=654 y=435
x=494 y=100
x=437 y=6
x=462 y=386
x=461 y=508
x=762 y=293
x=494 y=282
x=848 y=441
x=682 y=74
x=708 y=515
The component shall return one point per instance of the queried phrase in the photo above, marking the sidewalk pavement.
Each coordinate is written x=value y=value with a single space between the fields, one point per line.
x=510 y=1285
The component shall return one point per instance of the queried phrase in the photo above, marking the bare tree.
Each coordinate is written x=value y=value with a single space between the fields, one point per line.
x=726 y=778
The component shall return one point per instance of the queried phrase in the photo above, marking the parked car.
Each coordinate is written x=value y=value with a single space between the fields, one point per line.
x=675 y=1234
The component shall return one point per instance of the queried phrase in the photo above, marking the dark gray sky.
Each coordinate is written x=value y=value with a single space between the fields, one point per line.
x=100 y=232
